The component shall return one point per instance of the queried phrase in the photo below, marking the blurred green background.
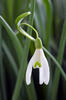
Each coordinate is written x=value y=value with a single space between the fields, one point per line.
x=49 y=18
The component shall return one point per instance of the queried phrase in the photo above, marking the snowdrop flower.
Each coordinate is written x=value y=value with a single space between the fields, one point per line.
x=38 y=60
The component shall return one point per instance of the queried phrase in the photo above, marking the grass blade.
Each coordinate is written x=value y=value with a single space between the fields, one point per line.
x=11 y=59
x=59 y=58
x=48 y=6
x=2 y=71
x=14 y=39
x=10 y=10
x=40 y=19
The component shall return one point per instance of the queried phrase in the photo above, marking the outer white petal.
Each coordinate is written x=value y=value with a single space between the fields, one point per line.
x=41 y=75
x=28 y=73
x=31 y=63
x=44 y=71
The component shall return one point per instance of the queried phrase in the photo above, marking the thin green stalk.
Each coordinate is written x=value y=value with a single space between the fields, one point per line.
x=18 y=21
x=13 y=37
x=59 y=58
x=2 y=72
x=56 y=62
x=27 y=35
x=24 y=59
x=31 y=28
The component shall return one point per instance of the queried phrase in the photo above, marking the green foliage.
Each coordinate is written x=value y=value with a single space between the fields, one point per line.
x=15 y=49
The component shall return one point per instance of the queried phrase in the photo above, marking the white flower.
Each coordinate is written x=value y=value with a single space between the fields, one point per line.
x=38 y=60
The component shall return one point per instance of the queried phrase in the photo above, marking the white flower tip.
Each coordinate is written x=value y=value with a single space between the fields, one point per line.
x=29 y=12
x=40 y=82
x=28 y=82
x=28 y=73
x=46 y=81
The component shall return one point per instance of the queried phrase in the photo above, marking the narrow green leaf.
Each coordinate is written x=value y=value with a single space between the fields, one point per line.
x=48 y=6
x=11 y=59
x=40 y=19
x=59 y=58
x=13 y=37
x=56 y=62
x=19 y=6
x=10 y=10
x=2 y=71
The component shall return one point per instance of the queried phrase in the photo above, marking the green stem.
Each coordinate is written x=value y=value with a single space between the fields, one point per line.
x=18 y=21
x=59 y=58
x=31 y=28
x=24 y=59
x=25 y=34
x=55 y=61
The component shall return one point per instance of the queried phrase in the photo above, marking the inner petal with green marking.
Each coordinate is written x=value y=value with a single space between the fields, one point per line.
x=37 y=64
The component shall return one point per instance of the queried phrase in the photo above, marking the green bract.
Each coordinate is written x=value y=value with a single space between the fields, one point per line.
x=38 y=43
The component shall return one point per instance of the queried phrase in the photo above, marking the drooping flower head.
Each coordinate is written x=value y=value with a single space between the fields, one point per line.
x=38 y=60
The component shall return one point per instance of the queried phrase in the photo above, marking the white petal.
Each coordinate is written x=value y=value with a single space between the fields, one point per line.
x=34 y=58
x=41 y=75
x=46 y=73
x=45 y=68
x=28 y=72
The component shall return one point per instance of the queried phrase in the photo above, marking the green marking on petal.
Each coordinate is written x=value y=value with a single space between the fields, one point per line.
x=37 y=64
